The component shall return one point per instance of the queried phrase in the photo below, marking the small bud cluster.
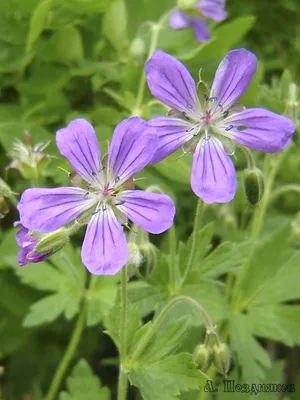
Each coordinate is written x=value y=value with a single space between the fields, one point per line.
x=28 y=159
x=219 y=354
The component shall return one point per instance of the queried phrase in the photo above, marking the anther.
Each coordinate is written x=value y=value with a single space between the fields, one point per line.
x=220 y=106
x=120 y=203
x=225 y=114
x=185 y=115
x=213 y=99
x=190 y=129
x=117 y=178
x=228 y=128
x=206 y=98
x=190 y=106
x=207 y=137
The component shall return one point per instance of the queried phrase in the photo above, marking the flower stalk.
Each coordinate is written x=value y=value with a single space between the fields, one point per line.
x=123 y=381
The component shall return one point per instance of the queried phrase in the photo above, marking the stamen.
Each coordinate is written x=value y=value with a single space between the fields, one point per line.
x=228 y=128
x=121 y=202
x=220 y=106
x=185 y=115
x=207 y=137
x=206 y=98
x=225 y=114
x=190 y=129
x=213 y=99
x=190 y=106
x=117 y=178
x=104 y=208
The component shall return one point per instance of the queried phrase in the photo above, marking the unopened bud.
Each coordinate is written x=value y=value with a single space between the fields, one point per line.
x=135 y=259
x=221 y=357
x=137 y=49
x=203 y=357
x=52 y=242
x=253 y=185
x=149 y=252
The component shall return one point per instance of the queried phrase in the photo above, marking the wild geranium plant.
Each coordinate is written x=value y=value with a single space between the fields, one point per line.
x=165 y=266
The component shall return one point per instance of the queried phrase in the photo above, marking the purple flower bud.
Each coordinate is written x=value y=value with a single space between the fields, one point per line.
x=27 y=244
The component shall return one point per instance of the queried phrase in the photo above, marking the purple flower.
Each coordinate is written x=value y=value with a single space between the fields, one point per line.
x=27 y=243
x=213 y=9
x=108 y=194
x=208 y=126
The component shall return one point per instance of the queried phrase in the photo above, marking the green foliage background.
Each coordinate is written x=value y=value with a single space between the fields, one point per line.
x=84 y=58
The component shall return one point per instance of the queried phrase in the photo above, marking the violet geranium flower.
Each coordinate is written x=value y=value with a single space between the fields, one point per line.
x=108 y=197
x=27 y=243
x=207 y=126
x=191 y=14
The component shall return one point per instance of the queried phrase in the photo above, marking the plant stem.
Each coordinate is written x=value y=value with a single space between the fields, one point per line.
x=172 y=303
x=195 y=239
x=123 y=382
x=172 y=261
x=69 y=353
x=156 y=28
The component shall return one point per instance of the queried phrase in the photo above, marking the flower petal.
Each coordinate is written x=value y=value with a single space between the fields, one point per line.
x=233 y=77
x=78 y=143
x=214 y=9
x=45 y=210
x=172 y=134
x=133 y=145
x=200 y=29
x=104 y=250
x=213 y=173
x=172 y=84
x=153 y=212
x=260 y=130
x=178 y=20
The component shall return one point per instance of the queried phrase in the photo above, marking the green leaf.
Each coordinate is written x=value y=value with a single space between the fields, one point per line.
x=46 y=310
x=66 y=279
x=272 y=272
x=38 y=22
x=226 y=258
x=166 y=341
x=133 y=323
x=251 y=356
x=101 y=299
x=277 y=322
x=115 y=25
x=166 y=379
x=83 y=385
x=205 y=239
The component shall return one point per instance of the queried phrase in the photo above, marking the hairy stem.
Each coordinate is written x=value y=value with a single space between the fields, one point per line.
x=195 y=240
x=67 y=357
x=123 y=381
x=156 y=28
x=172 y=261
